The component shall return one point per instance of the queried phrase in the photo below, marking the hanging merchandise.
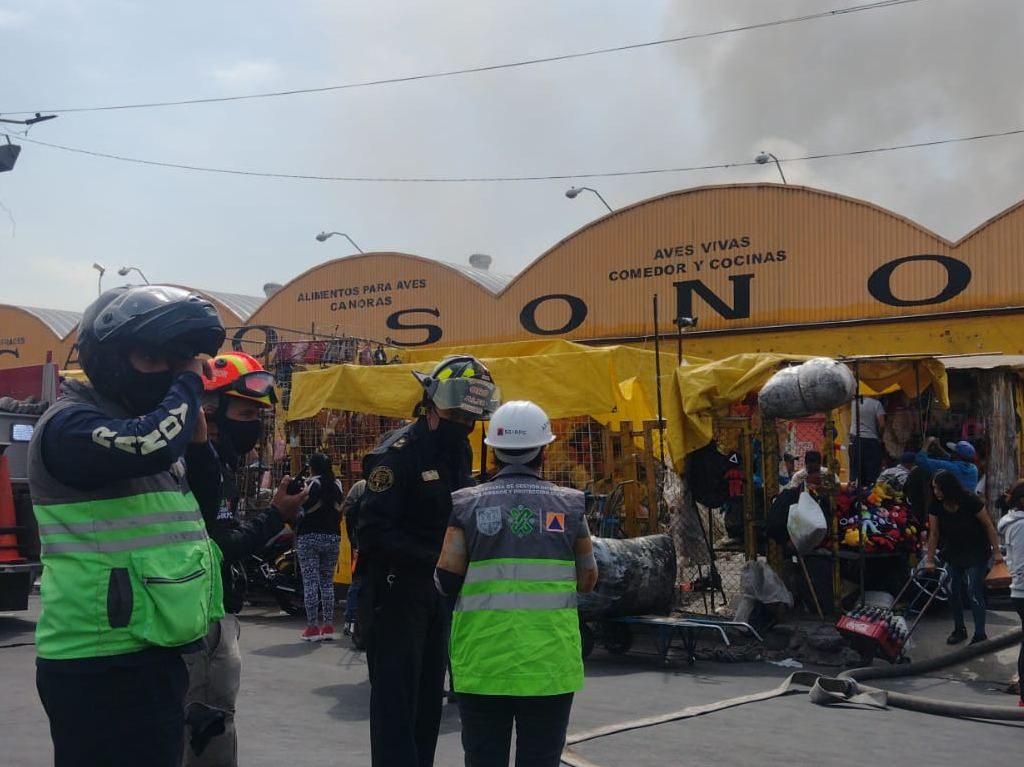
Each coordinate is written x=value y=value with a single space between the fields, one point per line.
x=816 y=386
x=366 y=354
x=314 y=352
x=380 y=357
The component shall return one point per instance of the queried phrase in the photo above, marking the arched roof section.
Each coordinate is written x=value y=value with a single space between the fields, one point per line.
x=228 y=304
x=59 y=321
x=764 y=256
x=780 y=191
x=241 y=306
x=358 y=295
x=28 y=333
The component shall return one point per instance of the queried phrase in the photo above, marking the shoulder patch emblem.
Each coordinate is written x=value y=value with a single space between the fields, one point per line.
x=488 y=520
x=522 y=520
x=380 y=479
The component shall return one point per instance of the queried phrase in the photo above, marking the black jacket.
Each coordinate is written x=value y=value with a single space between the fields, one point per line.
x=236 y=539
x=404 y=512
x=322 y=509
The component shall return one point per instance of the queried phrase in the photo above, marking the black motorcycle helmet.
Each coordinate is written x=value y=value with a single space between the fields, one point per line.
x=168 y=320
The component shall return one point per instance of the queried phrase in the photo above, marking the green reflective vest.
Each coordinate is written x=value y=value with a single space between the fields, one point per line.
x=125 y=567
x=515 y=629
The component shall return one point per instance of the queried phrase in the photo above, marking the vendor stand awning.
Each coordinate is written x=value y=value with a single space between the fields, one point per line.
x=699 y=393
x=607 y=383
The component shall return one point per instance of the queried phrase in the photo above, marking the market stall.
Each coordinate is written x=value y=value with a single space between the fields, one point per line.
x=714 y=405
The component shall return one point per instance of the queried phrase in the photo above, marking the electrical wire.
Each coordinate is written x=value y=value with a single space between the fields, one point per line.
x=510 y=179
x=485 y=68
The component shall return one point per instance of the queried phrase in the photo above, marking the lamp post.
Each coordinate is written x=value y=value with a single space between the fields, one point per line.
x=573 y=192
x=99 y=285
x=125 y=270
x=764 y=157
x=682 y=322
x=324 y=236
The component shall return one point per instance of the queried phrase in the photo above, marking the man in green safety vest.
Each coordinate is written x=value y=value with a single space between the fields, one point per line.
x=516 y=551
x=130 y=577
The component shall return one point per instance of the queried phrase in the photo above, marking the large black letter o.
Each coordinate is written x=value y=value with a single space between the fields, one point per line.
x=578 y=313
x=958 y=277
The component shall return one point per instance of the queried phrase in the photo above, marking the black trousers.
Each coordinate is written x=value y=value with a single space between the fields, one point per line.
x=125 y=716
x=540 y=722
x=406 y=655
x=865 y=463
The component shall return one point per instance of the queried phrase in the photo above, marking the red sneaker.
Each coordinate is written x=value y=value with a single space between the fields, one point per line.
x=327 y=633
x=311 y=634
x=1020 y=704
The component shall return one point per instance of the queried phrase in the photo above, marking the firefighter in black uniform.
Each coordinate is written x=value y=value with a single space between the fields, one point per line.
x=410 y=477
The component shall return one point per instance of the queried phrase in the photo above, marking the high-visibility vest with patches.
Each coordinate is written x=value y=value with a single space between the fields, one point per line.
x=515 y=629
x=125 y=567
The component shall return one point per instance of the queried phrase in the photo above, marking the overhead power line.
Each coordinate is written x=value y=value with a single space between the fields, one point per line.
x=500 y=179
x=486 y=68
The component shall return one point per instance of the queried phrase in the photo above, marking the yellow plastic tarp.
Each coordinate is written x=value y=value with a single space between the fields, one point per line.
x=564 y=385
x=699 y=393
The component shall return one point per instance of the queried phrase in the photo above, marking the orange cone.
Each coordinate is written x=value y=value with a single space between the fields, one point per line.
x=8 y=522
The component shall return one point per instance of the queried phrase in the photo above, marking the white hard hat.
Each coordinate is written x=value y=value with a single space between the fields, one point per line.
x=518 y=426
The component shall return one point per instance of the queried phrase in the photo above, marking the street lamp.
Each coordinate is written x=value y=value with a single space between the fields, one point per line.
x=682 y=322
x=102 y=270
x=125 y=270
x=573 y=192
x=324 y=236
x=764 y=157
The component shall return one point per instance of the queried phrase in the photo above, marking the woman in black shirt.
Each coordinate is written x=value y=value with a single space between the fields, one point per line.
x=318 y=542
x=959 y=525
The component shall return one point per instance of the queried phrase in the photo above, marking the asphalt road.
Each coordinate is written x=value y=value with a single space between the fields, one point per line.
x=307 y=704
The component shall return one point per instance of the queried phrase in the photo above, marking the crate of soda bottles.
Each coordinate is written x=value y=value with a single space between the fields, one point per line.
x=886 y=630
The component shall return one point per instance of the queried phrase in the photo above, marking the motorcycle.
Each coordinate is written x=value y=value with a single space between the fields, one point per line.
x=275 y=571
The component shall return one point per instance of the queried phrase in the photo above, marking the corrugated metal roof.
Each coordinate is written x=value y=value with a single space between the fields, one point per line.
x=59 y=321
x=491 y=280
x=241 y=305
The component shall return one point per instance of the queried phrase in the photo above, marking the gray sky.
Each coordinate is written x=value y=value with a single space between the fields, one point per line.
x=933 y=69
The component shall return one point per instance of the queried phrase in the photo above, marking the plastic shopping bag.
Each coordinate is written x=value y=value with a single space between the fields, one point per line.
x=806 y=523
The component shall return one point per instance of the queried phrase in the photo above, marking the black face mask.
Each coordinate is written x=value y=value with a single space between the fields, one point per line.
x=452 y=435
x=236 y=438
x=143 y=392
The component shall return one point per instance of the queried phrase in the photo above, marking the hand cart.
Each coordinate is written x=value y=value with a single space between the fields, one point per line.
x=616 y=634
x=881 y=632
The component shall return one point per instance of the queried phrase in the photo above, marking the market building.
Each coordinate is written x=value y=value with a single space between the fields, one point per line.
x=28 y=334
x=761 y=267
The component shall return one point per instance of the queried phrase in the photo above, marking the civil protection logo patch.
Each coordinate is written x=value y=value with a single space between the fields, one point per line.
x=488 y=520
x=554 y=522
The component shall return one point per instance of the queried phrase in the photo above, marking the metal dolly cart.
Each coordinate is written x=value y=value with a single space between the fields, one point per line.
x=616 y=634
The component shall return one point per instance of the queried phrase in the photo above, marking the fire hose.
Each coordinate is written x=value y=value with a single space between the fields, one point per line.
x=846 y=688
